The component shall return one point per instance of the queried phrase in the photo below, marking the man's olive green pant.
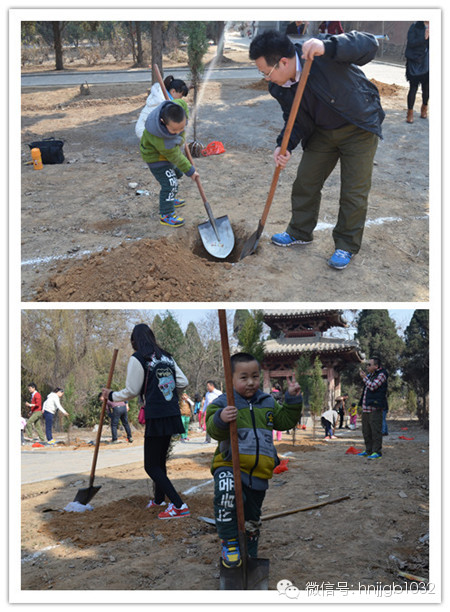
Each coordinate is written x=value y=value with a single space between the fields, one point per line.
x=355 y=149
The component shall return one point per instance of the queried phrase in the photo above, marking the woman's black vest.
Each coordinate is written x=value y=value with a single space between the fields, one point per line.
x=159 y=390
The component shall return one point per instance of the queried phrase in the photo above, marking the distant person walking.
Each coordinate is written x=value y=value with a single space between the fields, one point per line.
x=210 y=395
x=35 y=406
x=417 y=67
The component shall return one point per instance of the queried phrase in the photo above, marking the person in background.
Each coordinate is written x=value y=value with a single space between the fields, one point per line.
x=328 y=420
x=210 y=395
x=35 y=406
x=417 y=67
x=373 y=401
x=118 y=411
x=186 y=405
x=51 y=405
x=297 y=28
x=331 y=27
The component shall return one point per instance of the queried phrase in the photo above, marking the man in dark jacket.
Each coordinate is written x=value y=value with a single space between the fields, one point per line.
x=373 y=402
x=339 y=119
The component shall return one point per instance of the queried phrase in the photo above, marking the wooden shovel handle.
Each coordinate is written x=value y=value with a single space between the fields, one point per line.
x=186 y=147
x=102 y=416
x=287 y=135
x=233 y=427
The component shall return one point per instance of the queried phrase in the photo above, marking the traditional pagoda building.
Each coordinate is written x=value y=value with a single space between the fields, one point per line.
x=301 y=333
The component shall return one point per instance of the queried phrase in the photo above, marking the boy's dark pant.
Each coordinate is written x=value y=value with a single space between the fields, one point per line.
x=167 y=176
x=355 y=149
x=371 y=428
x=225 y=509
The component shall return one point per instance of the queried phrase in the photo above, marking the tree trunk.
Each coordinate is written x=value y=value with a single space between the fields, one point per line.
x=133 y=45
x=57 y=44
x=220 y=40
x=157 y=46
x=140 y=51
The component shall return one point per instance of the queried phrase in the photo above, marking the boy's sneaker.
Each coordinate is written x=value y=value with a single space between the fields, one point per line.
x=179 y=203
x=51 y=442
x=231 y=556
x=172 y=512
x=340 y=259
x=171 y=219
x=363 y=454
x=285 y=240
x=153 y=504
x=374 y=456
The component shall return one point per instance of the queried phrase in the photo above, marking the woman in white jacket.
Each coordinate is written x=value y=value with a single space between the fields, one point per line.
x=155 y=377
x=50 y=407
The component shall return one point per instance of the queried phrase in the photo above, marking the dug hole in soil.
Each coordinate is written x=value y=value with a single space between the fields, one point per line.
x=368 y=539
x=88 y=236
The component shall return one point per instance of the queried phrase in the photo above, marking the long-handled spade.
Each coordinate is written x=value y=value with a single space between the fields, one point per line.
x=216 y=234
x=85 y=495
x=252 y=242
x=253 y=574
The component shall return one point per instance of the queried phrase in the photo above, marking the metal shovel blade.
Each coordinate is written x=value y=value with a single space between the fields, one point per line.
x=251 y=243
x=84 y=496
x=233 y=579
x=221 y=244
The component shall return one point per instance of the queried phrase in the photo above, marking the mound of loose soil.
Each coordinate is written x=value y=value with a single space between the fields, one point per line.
x=149 y=271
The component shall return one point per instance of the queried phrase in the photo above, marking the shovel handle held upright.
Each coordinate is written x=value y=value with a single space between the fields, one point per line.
x=233 y=427
x=287 y=134
x=102 y=416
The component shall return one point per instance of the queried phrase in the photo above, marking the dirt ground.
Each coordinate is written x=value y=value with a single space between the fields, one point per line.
x=88 y=235
x=380 y=530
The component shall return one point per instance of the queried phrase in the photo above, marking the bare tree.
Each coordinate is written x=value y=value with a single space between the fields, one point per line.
x=156 y=29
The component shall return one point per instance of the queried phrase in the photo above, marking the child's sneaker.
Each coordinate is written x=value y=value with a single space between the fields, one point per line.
x=231 y=556
x=51 y=442
x=171 y=219
x=172 y=512
x=179 y=203
x=153 y=504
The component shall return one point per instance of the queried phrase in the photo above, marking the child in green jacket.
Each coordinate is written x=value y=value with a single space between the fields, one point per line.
x=160 y=147
x=257 y=414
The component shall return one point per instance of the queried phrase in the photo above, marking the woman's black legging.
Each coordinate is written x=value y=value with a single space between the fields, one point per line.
x=414 y=86
x=155 y=455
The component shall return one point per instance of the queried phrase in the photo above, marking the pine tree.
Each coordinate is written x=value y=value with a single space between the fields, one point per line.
x=416 y=361
x=318 y=389
x=249 y=336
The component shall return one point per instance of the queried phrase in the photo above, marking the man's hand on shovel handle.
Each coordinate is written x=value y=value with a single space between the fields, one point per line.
x=281 y=160
x=195 y=176
x=228 y=414
x=312 y=47
x=105 y=393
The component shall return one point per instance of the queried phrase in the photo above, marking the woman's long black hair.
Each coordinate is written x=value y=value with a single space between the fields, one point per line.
x=144 y=342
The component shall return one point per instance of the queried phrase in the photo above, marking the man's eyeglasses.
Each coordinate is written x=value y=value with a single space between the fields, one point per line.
x=267 y=76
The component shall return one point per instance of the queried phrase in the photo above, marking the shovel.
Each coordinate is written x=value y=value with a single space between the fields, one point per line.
x=216 y=234
x=252 y=242
x=253 y=574
x=84 y=496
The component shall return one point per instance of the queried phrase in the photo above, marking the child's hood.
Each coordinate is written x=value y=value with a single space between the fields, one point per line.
x=154 y=126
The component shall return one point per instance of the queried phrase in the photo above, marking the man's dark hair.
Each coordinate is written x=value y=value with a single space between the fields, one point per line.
x=32 y=384
x=172 y=112
x=211 y=382
x=242 y=358
x=377 y=361
x=272 y=46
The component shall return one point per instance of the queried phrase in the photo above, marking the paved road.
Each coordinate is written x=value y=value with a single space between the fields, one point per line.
x=385 y=73
x=41 y=464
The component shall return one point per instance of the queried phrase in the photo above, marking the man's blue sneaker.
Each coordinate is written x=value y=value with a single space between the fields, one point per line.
x=231 y=556
x=285 y=240
x=363 y=454
x=340 y=259
x=374 y=456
